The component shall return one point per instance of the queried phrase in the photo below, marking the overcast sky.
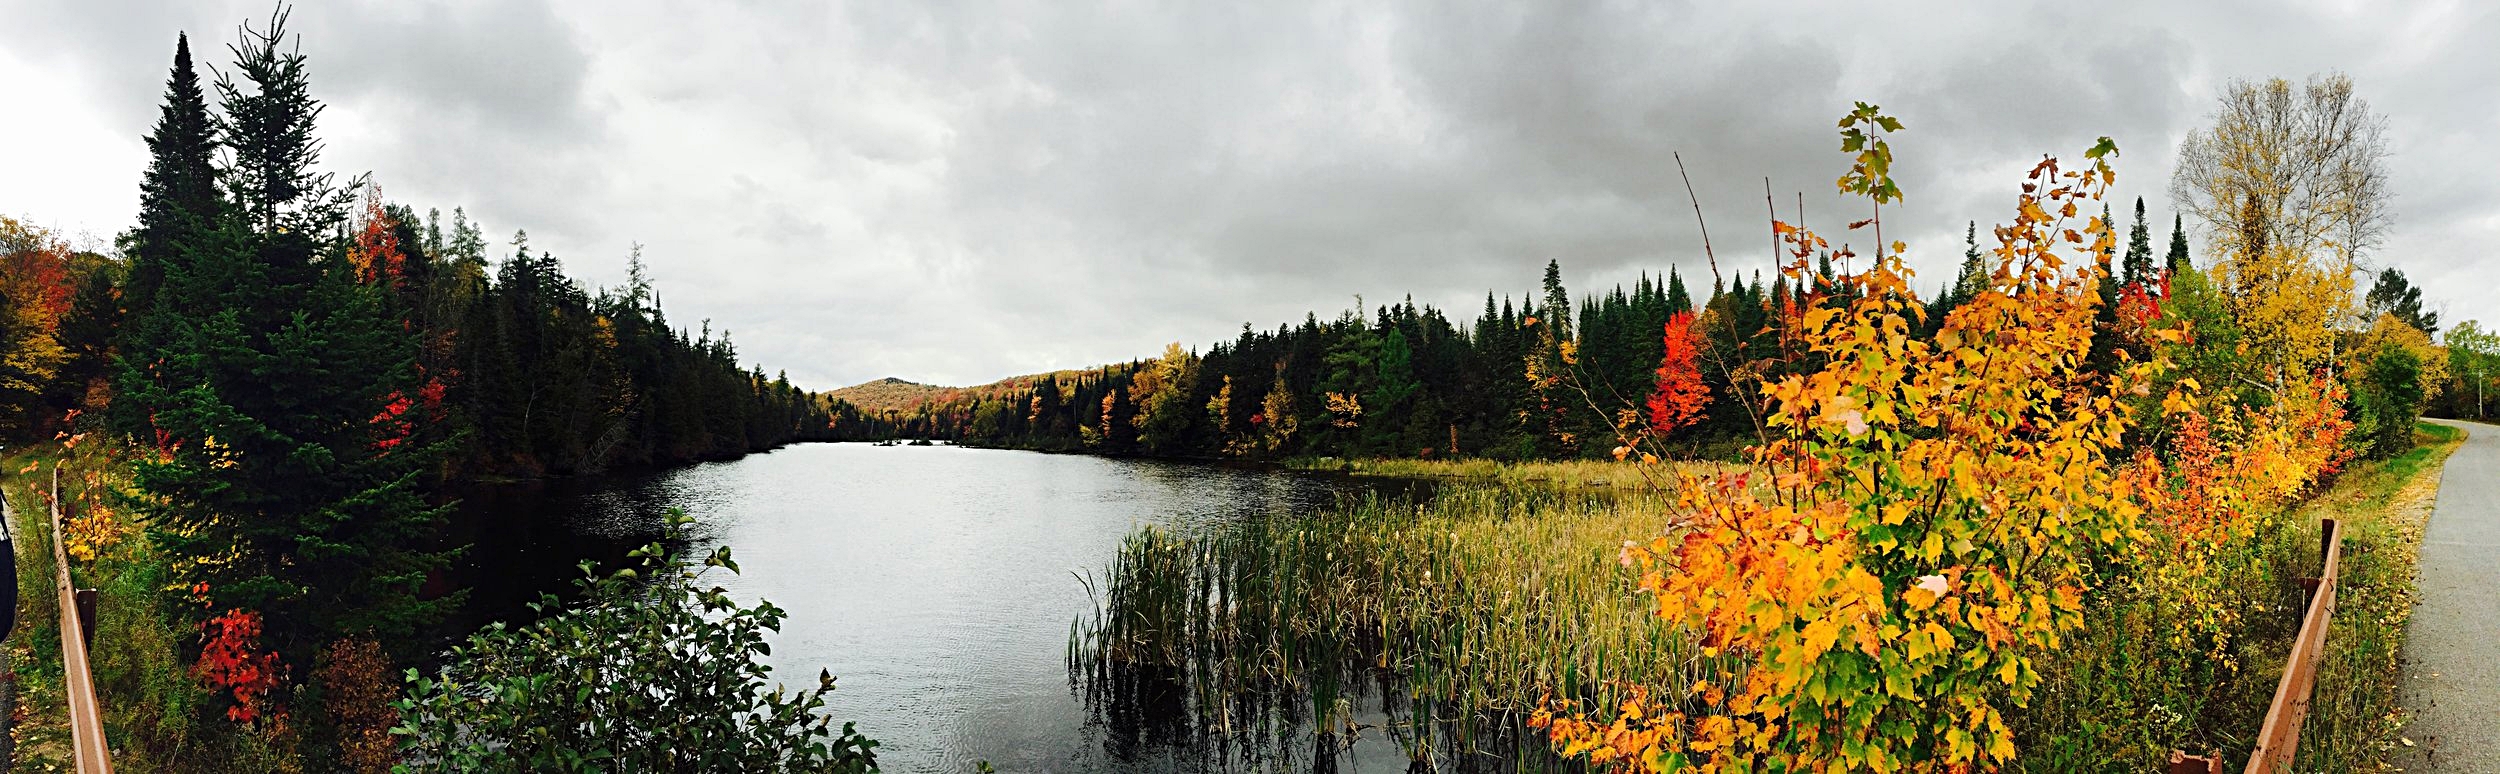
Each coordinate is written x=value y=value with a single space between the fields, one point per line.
x=957 y=192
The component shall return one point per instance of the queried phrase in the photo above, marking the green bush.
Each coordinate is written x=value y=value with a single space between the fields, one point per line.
x=2391 y=398
x=652 y=671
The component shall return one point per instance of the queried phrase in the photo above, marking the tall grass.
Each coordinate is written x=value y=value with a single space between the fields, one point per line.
x=1568 y=474
x=2127 y=689
x=152 y=707
x=1458 y=615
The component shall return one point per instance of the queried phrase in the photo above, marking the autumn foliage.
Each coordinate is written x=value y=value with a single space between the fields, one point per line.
x=1679 y=396
x=234 y=665
x=1925 y=528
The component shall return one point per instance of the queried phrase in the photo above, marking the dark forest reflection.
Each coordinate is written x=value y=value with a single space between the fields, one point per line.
x=941 y=585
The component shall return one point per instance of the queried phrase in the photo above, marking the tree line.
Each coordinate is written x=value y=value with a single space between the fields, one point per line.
x=1545 y=375
x=304 y=372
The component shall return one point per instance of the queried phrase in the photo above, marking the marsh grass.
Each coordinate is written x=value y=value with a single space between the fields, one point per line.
x=1457 y=616
x=1566 y=474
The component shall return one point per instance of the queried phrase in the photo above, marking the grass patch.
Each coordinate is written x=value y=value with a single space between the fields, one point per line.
x=1568 y=474
x=1473 y=607
x=152 y=708
x=1466 y=611
x=2128 y=689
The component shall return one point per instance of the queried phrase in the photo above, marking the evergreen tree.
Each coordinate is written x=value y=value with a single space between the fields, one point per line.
x=2177 y=260
x=1679 y=300
x=2104 y=353
x=1557 y=309
x=178 y=193
x=291 y=424
x=179 y=200
x=2137 y=269
x=1974 y=274
x=2393 y=294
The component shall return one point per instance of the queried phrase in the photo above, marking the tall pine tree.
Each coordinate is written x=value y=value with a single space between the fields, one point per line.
x=289 y=418
x=2137 y=269
x=2177 y=261
x=179 y=203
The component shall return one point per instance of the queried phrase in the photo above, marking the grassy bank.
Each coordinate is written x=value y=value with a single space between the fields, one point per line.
x=1569 y=474
x=152 y=707
x=1470 y=609
x=2152 y=671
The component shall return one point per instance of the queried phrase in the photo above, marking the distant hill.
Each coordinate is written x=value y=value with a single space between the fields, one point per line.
x=891 y=394
x=903 y=395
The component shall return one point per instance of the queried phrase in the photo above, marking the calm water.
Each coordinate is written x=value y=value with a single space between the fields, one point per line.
x=937 y=583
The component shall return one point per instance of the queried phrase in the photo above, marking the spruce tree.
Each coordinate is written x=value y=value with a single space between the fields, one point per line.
x=2178 y=259
x=179 y=201
x=2138 y=267
x=1557 y=308
x=178 y=193
x=290 y=421
x=1679 y=300
x=1974 y=276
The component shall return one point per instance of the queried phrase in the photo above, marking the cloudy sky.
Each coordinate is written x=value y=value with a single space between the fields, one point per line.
x=956 y=192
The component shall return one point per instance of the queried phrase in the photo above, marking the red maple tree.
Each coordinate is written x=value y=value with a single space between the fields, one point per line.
x=1680 y=395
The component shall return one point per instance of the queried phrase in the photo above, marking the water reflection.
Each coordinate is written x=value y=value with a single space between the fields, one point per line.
x=940 y=584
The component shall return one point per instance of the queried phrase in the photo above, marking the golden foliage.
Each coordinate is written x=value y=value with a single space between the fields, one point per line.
x=2388 y=331
x=1926 y=529
x=2287 y=303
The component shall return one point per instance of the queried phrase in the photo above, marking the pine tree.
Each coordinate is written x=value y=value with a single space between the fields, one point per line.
x=1678 y=299
x=2177 y=260
x=179 y=201
x=2392 y=294
x=2137 y=269
x=291 y=425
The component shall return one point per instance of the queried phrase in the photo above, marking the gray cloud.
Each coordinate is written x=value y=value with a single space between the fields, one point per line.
x=955 y=193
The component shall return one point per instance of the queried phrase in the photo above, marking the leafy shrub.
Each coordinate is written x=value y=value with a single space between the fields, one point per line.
x=651 y=672
x=1933 y=510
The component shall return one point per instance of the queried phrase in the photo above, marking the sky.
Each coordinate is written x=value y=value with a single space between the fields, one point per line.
x=953 y=193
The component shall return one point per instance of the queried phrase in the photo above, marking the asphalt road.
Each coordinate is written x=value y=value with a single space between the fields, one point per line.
x=2452 y=682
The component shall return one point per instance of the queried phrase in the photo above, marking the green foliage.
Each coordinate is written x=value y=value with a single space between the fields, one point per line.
x=2473 y=371
x=262 y=379
x=2390 y=400
x=652 y=671
x=1861 y=132
x=2210 y=355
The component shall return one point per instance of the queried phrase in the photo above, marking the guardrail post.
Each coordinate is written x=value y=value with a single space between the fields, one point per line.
x=2183 y=763
x=2278 y=740
x=86 y=617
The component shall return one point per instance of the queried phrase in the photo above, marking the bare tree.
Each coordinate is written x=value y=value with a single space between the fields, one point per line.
x=2302 y=168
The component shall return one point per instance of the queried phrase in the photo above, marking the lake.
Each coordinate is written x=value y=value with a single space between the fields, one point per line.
x=938 y=583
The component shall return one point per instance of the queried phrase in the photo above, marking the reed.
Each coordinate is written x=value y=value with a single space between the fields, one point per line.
x=1456 y=615
x=1568 y=474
